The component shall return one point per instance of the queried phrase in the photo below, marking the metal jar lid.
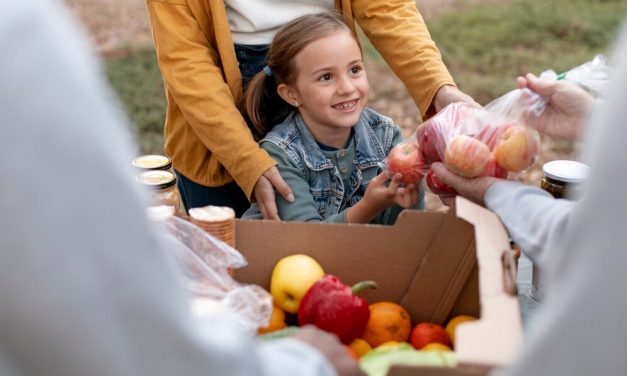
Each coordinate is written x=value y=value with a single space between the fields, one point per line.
x=565 y=171
x=152 y=162
x=156 y=179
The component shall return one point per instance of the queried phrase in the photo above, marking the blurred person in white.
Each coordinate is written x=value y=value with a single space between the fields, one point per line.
x=581 y=246
x=84 y=287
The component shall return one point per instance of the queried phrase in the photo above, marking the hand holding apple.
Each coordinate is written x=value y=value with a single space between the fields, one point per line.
x=406 y=159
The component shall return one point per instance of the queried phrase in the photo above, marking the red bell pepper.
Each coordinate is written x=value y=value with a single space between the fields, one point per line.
x=332 y=306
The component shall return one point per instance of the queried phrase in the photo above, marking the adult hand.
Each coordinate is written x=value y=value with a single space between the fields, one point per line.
x=473 y=189
x=568 y=107
x=264 y=192
x=448 y=94
x=331 y=348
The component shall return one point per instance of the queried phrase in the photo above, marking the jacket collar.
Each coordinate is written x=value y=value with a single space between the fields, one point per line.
x=368 y=150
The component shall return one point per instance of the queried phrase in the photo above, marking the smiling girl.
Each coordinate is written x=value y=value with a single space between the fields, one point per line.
x=308 y=106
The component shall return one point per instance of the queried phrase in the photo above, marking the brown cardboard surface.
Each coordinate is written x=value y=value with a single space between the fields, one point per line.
x=422 y=262
x=427 y=262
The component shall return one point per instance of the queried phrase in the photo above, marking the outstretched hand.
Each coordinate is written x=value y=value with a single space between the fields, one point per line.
x=567 y=109
x=264 y=192
x=448 y=94
x=382 y=195
x=473 y=189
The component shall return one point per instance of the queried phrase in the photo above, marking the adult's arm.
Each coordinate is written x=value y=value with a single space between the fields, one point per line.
x=398 y=31
x=535 y=220
x=192 y=76
x=84 y=287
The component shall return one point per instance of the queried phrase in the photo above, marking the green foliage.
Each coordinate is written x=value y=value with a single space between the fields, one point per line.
x=487 y=46
x=137 y=81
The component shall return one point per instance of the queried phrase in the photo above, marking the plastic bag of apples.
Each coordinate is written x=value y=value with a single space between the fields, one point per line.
x=495 y=140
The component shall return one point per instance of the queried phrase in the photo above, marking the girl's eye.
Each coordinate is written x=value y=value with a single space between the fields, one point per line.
x=325 y=77
x=355 y=69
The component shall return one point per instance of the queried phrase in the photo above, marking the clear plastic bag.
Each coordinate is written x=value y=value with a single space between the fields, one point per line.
x=496 y=140
x=204 y=263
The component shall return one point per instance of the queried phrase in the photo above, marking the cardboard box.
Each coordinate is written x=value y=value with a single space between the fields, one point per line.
x=436 y=265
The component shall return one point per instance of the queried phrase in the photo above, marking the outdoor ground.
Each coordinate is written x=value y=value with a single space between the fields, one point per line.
x=485 y=44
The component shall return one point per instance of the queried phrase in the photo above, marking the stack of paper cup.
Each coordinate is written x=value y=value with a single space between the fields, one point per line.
x=218 y=221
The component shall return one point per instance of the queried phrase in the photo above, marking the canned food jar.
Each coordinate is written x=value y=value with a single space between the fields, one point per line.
x=152 y=162
x=162 y=187
x=563 y=179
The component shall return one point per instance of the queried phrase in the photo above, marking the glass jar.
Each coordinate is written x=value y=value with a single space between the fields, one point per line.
x=562 y=179
x=162 y=187
x=152 y=162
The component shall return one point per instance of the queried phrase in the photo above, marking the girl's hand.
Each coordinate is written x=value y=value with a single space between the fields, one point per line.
x=379 y=195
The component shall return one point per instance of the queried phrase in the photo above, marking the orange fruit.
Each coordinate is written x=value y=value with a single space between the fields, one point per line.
x=388 y=322
x=427 y=332
x=434 y=346
x=452 y=324
x=277 y=321
x=360 y=346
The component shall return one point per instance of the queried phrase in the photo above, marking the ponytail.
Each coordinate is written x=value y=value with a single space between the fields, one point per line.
x=263 y=107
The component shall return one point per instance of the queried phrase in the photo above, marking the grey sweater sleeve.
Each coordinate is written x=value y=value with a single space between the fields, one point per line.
x=535 y=220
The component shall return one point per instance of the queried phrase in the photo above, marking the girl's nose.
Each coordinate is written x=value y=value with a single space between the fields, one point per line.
x=345 y=86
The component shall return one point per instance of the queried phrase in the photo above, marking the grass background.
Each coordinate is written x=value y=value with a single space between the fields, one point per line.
x=485 y=47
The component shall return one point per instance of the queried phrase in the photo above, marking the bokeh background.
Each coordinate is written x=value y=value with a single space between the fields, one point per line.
x=486 y=44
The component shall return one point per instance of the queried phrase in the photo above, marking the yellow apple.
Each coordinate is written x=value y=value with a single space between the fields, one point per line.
x=291 y=277
x=517 y=148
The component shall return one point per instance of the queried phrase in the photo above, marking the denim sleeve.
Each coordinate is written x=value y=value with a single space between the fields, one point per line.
x=303 y=208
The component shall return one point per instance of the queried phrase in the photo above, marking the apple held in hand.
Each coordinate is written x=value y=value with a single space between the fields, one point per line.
x=494 y=169
x=490 y=133
x=437 y=186
x=517 y=148
x=466 y=156
x=291 y=277
x=406 y=159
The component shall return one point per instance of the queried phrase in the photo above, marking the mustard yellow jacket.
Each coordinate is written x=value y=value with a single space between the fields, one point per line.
x=205 y=135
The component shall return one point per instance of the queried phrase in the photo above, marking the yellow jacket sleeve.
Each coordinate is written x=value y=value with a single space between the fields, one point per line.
x=197 y=92
x=397 y=30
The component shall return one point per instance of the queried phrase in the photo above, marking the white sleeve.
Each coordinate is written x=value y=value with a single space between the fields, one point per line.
x=84 y=286
x=579 y=329
x=534 y=219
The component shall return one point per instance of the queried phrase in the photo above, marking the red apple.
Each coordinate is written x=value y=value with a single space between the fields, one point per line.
x=426 y=333
x=406 y=159
x=466 y=156
x=494 y=169
x=490 y=133
x=517 y=148
x=431 y=140
x=437 y=186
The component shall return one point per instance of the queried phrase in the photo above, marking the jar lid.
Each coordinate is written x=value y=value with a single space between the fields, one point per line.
x=152 y=162
x=566 y=171
x=156 y=179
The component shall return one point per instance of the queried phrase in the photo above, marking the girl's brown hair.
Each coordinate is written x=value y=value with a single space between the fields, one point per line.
x=263 y=107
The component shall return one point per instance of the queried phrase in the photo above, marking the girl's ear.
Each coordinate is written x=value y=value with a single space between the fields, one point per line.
x=288 y=94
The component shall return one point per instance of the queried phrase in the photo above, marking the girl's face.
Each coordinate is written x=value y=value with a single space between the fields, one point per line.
x=331 y=87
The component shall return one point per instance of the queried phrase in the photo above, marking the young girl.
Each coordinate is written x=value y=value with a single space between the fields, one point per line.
x=309 y=107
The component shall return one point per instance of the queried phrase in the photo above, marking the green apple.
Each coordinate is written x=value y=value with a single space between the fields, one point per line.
x=291 y=277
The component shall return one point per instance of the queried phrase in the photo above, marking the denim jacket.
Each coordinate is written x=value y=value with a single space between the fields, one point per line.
x=374 y=137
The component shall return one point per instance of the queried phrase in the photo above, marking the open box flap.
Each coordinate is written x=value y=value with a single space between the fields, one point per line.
x=494 y=339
